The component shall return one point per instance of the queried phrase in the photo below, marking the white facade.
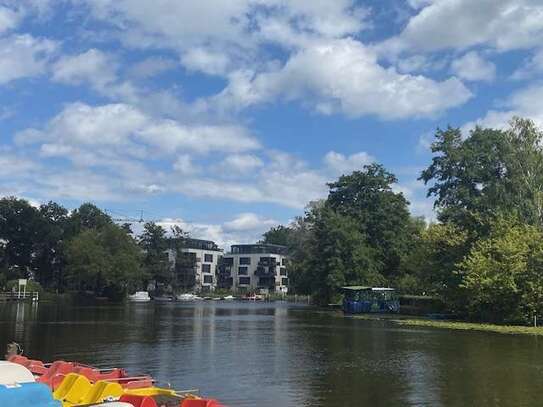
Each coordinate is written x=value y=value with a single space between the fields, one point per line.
x=256 y=268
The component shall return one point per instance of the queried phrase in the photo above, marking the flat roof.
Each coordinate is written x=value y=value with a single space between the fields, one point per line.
x=365 y=288
x=256 y=248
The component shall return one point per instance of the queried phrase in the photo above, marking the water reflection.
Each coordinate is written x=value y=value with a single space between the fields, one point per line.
x=255 y=354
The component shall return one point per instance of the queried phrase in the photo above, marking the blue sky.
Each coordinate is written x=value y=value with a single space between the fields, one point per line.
x=228 y=117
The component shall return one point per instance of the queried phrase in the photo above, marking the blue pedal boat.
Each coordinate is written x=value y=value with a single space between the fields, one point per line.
x=27 y=395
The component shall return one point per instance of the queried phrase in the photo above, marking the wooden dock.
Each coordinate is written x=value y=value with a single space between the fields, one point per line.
x=18 y=296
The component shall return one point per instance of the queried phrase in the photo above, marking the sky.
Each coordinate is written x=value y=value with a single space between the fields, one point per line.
x=228 y=117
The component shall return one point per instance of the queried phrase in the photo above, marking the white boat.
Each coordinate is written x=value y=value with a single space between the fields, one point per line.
x=229 y=298
x=139 y=296
x=188 y=297
x=11 y=373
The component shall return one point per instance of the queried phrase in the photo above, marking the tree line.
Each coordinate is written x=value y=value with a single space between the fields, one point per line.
x=84 y=250
x=484 y=254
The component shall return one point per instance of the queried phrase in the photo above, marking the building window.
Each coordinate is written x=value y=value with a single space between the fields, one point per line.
x=208 y=279
x=283 y=271
x=245 y=260
x=284 y=262
x=243 y=271
x=284 y=281
x=208 y=258
x=244 y=280
x=228 y=261
x=206 y=268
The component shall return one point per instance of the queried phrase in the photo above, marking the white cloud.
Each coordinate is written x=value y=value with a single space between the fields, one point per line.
x=344 y=76
x=23 y=56
x=459 y=24
x=184 y=165
x=530 y=68
x=249 y=222
x=124 y=126
x=171 y=136
x=93 y=66
x=473 y=67
x=341 y=164
x=239 y=164
x=244 y=228
x=189 y=24
x=523 y=103
x=9 y=19
x=207 y=61
x=151 y=66
x=425 y=142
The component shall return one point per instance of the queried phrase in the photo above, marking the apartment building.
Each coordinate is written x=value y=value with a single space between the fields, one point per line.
x=254 y=268
x=196 y=269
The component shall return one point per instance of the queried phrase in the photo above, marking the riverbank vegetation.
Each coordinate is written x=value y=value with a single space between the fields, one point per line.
x=81 y=251
x=455 y=325
x=483 y=256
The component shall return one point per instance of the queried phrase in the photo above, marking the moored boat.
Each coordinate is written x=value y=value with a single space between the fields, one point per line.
x=139 y=296
x=362 y=300
x=89 y=387
x=188 y=297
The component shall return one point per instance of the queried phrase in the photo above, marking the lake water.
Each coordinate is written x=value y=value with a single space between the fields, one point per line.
x=274 y=354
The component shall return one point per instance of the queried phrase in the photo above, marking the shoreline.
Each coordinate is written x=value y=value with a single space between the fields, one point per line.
x=455 y=325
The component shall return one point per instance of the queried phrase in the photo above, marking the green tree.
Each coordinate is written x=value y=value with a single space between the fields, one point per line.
x=88 y=216
x=280 y=235
x=105 y=261
x=339 y=255
x=491 y=172
x=154 y=244
x=380 y=214
x=434 y=258
x=502 y=275
x=19 y=234
x=184 y=272
x=48 y=259
x=87 y=261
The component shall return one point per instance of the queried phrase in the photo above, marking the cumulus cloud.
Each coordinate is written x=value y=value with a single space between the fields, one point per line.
x=127 y=127
x=243 y=228
x=342 y=164
x=23 y=56
x=460 y=24
x=184 y=165
x=9 y=19
x=473 y=67
x=238 y=164
x=530 y=68
x=249 y=222
x=151 y=66
x=344 y=76
x=523 y=103
x=93 y=66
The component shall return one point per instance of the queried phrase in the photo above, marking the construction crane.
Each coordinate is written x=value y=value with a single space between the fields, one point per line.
x=125 y=219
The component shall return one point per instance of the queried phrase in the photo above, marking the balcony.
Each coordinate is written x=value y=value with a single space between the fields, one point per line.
x=264 y=271
x=266 y=282
x=267 y=261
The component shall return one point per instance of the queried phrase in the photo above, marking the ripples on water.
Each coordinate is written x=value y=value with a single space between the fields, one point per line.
x=274 y=354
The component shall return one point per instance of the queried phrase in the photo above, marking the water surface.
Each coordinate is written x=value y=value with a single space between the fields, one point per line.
x=274 y=354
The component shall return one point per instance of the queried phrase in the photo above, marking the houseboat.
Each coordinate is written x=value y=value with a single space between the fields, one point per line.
x=364 y=300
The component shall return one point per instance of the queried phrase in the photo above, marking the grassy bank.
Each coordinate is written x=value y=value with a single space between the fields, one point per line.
x=463 y=326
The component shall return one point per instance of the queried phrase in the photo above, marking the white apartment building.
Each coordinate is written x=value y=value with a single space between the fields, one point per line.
x=199 y=272
x=255 y=268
